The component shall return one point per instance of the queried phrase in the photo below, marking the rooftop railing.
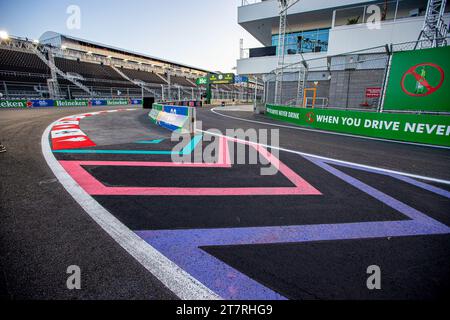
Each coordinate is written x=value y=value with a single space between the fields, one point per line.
x=389 y=11
x=249 y=2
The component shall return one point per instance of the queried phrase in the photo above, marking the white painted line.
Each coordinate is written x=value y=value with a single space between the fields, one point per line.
x=330 y=132
x=173 y=277
x=331 y=159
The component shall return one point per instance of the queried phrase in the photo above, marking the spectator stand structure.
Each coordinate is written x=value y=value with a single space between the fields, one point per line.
x=61 y=67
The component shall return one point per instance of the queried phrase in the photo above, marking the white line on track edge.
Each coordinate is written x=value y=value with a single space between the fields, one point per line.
x=173 y=277
x=213 y=110
x=447 y=182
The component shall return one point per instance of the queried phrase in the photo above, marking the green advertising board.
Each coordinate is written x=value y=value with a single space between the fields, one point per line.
x=13 y=103
x=71 y=103
x=419 y=80
x=222 y=78
x=202 y=81
x=427 y=129
x=119 y=102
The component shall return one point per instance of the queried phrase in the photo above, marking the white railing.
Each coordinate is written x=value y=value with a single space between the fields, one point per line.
x=389 y=10
x=249 y=2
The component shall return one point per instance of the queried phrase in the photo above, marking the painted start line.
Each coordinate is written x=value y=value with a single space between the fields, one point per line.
x=175 y=218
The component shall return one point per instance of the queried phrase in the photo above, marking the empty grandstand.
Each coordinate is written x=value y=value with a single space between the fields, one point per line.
x=59 y=66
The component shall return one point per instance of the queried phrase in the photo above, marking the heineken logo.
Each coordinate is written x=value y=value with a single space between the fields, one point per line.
x=12 y=104
x=71 y=103
x=422 y=79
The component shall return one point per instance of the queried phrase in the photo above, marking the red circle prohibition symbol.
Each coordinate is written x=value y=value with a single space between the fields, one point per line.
x=421 y=80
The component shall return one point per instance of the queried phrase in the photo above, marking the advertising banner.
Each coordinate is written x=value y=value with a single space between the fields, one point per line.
x=419 y=80
x=225 y=78
x=118 y=102
x=13 y=104
x=240 y=79
x=428 y=129
x=41 y=103
x=174 y=118
x=202 y=81
x=71 y=103
x=98 y=102
x=136 y=101
x=176 y=110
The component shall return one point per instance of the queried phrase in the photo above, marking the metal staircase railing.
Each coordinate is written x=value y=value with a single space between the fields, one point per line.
x=54 y=68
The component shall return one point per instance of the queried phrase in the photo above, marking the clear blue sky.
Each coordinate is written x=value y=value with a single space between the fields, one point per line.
x=202 y=33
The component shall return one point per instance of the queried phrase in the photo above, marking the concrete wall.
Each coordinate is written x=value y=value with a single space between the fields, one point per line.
x=402 y=30
x=262 y=65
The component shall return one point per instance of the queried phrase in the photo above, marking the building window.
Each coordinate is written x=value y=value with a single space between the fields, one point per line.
x=305 y=41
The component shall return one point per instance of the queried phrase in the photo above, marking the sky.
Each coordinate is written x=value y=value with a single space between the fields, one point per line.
x=200 y=33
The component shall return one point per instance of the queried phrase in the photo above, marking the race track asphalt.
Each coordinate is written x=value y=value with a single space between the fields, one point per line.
x=44 y=230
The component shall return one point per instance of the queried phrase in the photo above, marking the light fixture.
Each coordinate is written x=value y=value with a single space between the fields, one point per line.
x=4 y=35
x=63 y=47
x=36 y=41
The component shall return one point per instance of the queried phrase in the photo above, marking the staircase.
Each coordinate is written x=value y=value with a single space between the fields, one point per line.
x=434 y=30
x=191 y=82
x=54 y=70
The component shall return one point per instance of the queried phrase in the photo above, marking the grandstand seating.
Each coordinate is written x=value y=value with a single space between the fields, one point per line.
x=18 y=66
x=24 y=74
x=88 y=70
x=148 y=77
x=181 y=81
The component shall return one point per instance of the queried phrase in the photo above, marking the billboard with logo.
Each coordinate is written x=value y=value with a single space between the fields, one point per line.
x=419 y=80
x=13 y=104
x=222 y=78
x=428 y=129
x=43 y=103
x=202 y=81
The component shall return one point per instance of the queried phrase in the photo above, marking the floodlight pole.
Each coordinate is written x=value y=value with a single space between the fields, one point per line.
x=284 y=7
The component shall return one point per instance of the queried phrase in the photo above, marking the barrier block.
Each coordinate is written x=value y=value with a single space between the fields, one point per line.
x=175 y=118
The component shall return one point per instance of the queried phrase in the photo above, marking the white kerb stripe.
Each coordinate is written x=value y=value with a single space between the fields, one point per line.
x=173 y=277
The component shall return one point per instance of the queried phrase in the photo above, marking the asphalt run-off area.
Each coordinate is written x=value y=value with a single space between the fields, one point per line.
x=111 y=200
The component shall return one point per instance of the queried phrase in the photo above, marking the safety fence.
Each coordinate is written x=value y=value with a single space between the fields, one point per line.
x=351 y=81
x=18 y=91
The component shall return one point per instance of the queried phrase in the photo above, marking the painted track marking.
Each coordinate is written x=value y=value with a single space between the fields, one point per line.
x=116 y=229
x=388 y=171
x=172 y=276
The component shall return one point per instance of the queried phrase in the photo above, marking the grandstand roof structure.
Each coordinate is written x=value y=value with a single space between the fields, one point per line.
x=65 y=41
